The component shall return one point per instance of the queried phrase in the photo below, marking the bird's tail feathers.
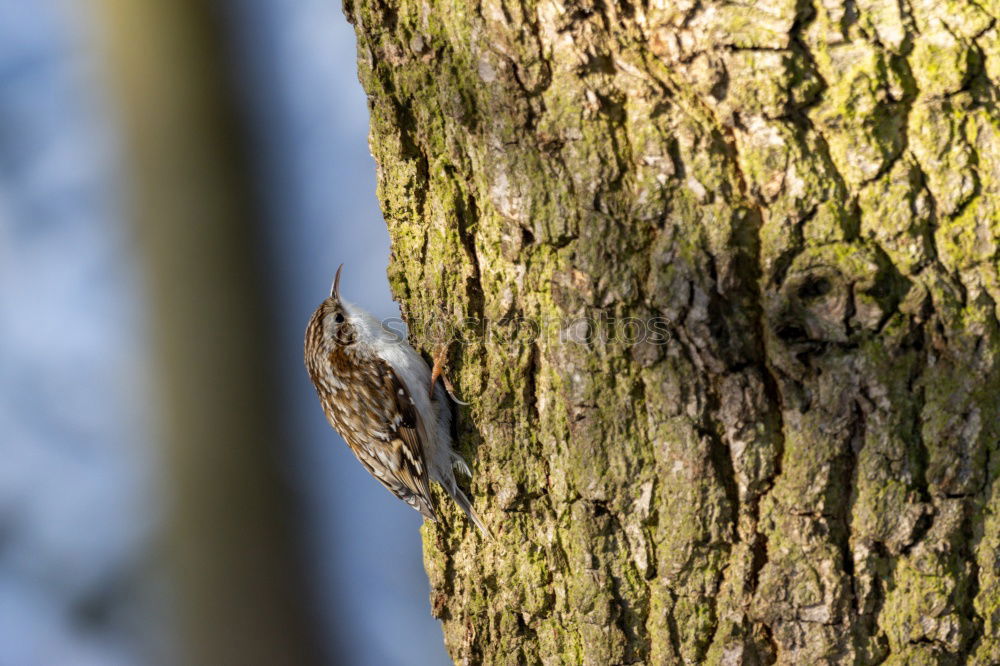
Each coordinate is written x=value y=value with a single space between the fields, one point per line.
x=463 y=501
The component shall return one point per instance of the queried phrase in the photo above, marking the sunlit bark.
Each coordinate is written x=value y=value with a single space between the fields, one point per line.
x=804 y=470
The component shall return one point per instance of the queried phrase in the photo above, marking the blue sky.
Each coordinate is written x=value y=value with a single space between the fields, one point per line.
x=78 y=493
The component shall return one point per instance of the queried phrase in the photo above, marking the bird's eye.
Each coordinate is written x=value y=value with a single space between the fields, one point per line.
x=339 y=318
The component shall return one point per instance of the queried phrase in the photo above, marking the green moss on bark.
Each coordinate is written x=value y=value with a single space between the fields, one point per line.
x=802 y=468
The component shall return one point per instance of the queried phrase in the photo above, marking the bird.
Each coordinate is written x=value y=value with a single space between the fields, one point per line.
x=379 y=394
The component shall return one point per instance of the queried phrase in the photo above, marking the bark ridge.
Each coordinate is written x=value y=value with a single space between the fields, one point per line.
x=797 y=463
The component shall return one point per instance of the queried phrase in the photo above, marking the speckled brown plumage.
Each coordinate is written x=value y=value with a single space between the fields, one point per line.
x=379 y=394
x=365 y=401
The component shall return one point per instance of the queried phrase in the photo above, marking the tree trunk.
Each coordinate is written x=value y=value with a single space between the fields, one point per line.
x=232 y=562
x=799 y=466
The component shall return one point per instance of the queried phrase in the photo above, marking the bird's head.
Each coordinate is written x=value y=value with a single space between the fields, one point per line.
x=335 y=317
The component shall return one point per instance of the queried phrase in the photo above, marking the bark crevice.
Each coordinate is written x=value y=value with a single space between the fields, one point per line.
x=804 y=197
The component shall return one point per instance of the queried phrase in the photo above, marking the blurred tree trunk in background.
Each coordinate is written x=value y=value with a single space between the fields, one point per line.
x=232 y=563
x=804 y=472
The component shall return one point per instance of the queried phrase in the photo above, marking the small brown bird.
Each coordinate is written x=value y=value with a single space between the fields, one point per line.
x=374 y=390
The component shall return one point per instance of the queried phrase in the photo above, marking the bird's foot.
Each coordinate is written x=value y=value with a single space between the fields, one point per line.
x=440 y=365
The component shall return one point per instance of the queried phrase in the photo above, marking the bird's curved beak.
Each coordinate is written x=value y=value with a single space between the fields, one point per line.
x=335 y=289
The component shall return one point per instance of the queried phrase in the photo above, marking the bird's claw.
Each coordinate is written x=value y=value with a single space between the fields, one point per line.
x=440 y=362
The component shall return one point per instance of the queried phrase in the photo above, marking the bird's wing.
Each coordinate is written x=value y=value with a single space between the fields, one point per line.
x=400 y=464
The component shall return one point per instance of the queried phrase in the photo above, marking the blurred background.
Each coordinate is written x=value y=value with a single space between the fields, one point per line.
x=178 y=183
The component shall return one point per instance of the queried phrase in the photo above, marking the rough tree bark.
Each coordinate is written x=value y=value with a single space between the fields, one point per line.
x=804 y=471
